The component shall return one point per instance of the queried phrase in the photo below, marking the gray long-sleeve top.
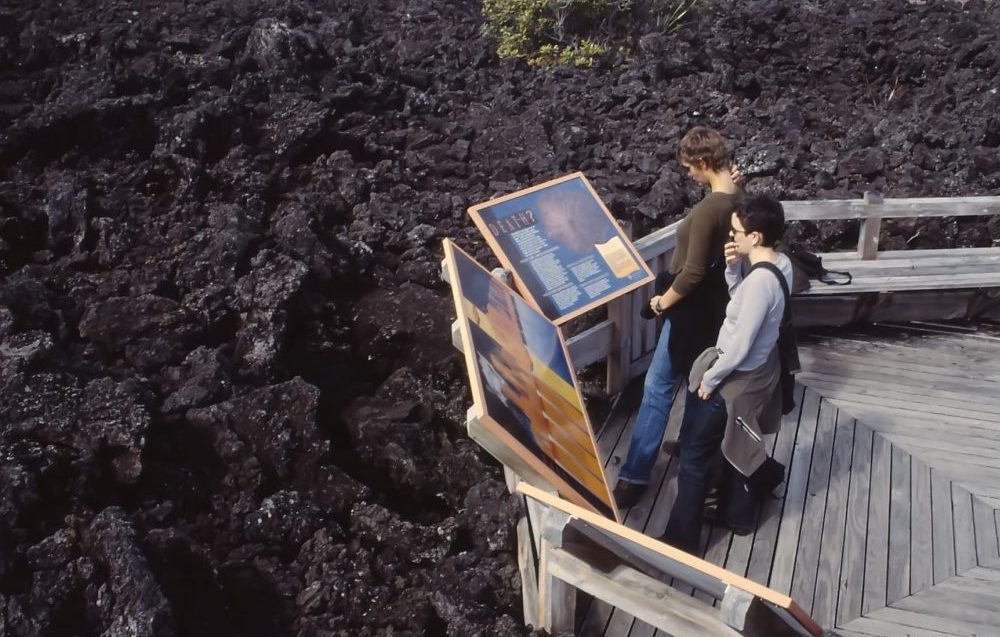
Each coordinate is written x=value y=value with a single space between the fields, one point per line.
x=753 y=316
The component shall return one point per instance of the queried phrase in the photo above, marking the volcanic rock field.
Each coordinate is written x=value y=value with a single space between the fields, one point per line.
x=229 y=404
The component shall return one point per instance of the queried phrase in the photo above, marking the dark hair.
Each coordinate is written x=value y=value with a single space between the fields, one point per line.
x=763 y=214
x=704 y=144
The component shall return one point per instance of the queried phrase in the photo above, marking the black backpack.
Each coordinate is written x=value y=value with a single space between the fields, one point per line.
x=788 y=347
x=807 y=265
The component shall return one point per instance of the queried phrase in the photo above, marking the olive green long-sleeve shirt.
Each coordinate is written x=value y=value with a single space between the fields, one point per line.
x=701 y=237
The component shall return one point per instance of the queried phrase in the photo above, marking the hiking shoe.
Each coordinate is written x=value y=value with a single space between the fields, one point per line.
x=627 y=494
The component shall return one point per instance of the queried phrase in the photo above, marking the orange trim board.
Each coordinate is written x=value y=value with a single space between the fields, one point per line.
x=566 y=252
x=727 y=577
x=513 y=354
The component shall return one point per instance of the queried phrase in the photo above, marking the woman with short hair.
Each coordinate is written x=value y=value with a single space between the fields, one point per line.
x=737 y=380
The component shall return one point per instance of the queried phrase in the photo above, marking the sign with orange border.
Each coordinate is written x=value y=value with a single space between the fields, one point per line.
x=524 y=389
x=566 y=252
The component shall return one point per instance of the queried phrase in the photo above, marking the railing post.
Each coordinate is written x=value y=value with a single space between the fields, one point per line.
x=620 y=315
x=870 y=228
x=556 y=598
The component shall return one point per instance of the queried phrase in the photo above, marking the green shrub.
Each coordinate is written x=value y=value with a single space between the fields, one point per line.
x=554 y=31
x=670 y=14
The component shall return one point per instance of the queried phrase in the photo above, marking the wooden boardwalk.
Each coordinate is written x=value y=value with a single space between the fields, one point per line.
x=888 y=525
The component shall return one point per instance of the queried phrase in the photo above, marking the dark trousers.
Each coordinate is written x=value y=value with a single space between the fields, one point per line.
x=700 y=441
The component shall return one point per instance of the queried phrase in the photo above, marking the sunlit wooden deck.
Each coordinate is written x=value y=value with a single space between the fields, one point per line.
x=888 y=524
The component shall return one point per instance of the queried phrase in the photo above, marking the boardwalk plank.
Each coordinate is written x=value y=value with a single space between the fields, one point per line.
x=898 y=577
x=951 y=605
x=950 y=395
x=932 y=622
x=943 y=533
x=891 y=629
x=738 y=559
x=602 y=618
x=964 y=529
x=909 y=367
x=814 y=508
x=921 y=549
x=877 y=546
x=765 y=539
x=834 y=523
x=853 y=571
x=985 y=532
x=791 y=516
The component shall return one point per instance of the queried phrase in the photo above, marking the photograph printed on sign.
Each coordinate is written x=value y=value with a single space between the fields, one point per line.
x=565 y=250
x=523 y=382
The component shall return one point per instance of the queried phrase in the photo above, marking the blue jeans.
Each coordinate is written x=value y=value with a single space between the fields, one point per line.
x=651 y=421
x=699 y=444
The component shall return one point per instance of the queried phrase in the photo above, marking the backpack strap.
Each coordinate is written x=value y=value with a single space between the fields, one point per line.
x=776 y=271
x=787 y=343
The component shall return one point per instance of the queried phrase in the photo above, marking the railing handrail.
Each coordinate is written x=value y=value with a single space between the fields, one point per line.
x=664 y=239
x=625 y=342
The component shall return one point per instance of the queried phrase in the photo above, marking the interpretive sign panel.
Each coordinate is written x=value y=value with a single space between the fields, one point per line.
x=565 y=250
x=523 y=386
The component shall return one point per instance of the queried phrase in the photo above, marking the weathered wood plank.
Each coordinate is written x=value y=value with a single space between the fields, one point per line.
x=932 y=622
x=916 y=424
x=641 y=596
x=877 y=546
x=850 y=255
x=787 y=544
x=950 y=394
x=741 y=546
x=716 y=549
x=921 y=549
x=886 y=400
x=907 y=283
x=951 y=605
x=591 y=345
x=617 y=426
x=765 y=540
x=853 y=569
x=871 y=226
x=649 y=515
x=830 y=209
x=964 y=529
x=659 y=242
x=943 y=534
x=909 y=365
x=903 y=262
x=814 y=508
x=898 y=577
x=556 y=598
x=831 y=554
x=885 y=628
x=618 y=369
x=912 y=351
x=528 y=572
x=984 y=518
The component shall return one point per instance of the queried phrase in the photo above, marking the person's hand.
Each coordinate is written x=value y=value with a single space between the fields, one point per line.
x=732 y=256
x=735 y=174
x=654 y=304
x=703 y=393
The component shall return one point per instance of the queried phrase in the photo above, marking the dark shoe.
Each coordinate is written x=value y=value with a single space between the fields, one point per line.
x=672 y=448
x=627 y=494
x=713 y=517
x=766 y=478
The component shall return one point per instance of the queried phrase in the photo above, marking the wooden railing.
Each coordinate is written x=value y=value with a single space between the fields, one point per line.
x=626 y=341
x=581 y=551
